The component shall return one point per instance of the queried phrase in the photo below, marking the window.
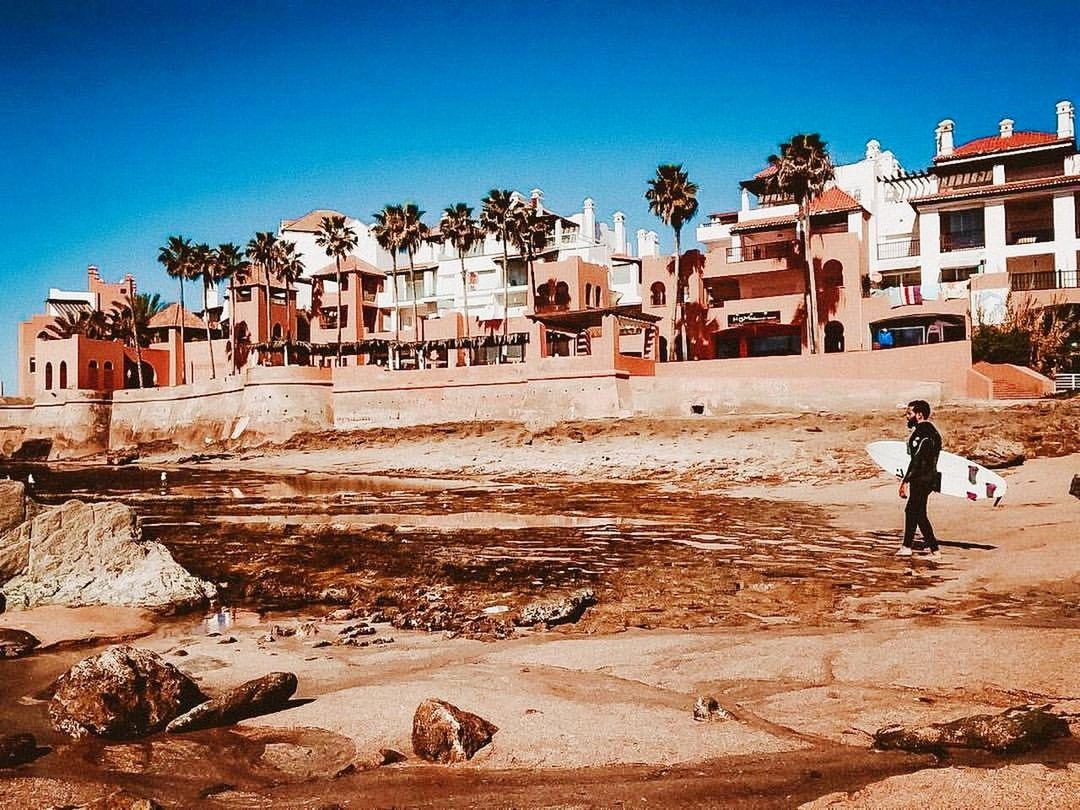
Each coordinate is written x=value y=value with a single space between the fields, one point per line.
x=48 y=376
x=901 y=278
x=596 y=296
x=92 y=376
x=832 y=274
x=588 y=295
x=658 y=294
x=33 y=365
x=949 y=274
x=108 y=376
x=243 y=294
x=63 y=374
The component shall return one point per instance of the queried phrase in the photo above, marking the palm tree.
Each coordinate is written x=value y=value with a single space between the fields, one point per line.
x=414 y=234
x=204 y=268
x=176 y=258
x=497 y=218
x=90 y=323
x=263 y=251
x=339 y=240
x=459 y=229
x=132 y=321
x=529 y=234
x=231 y=265
x=803 y=168
x=290 y=269
x=673 y=198
x=389 y=231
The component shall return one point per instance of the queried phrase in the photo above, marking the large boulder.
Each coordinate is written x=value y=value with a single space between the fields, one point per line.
x=260 y=696
x=995 y=452
x=558 y=610
x=121 y=693
x=442 y=732
x=1013 y=731
x=15 y=749
x=12 y=504
x=16 y=643
x=92 y=554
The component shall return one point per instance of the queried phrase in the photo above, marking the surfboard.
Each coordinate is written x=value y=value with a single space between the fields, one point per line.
x=960 y=477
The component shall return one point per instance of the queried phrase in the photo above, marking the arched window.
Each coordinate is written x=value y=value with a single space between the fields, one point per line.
x=48 y=376
x=832 y=274
x=63 y=374
x=659 y=294
x=596 y=296
x=562 y=294
x=276 y=334
x=92 y=377
x=588 y=295
x=543 y=294
x=834 y=336
x=108 y=382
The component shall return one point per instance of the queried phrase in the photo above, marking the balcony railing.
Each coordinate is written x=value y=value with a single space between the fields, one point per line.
x=1045 y=280
x=898 y=249
x=962 y=240
x=1030 y=236
x=766 y=250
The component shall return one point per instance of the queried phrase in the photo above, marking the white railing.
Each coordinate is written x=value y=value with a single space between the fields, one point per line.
x=1066 y=382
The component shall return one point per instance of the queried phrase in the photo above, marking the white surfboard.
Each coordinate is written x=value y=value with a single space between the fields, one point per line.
x=960 y=477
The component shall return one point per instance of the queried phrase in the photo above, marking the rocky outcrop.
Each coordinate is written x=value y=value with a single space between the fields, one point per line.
x=12 y=505
x=16 y=643
x=121 y=693
x=15 y=749
x=557 y=611
x=708 y=708
x=1013 y=731
x=1074 y=487
x=995 y=452
x=92 y=554
x=259 y=696
x=442 y=732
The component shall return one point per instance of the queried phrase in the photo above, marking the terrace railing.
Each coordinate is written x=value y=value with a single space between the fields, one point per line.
x=766 y=250
x=1045 y=280
x=1029 y=236
x=898 y=249
x=962 y=240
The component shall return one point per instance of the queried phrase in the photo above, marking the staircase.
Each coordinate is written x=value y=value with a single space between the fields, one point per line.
x=1008 y=390
x=1015 y=382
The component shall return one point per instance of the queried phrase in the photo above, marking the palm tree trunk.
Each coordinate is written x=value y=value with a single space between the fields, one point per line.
x=506 y=293
x=288 y=319
x=138 y=349
x=183 y=349
x=337 y=263
x=415 y=311
x=269 y=355
x=393 y=358
x=465 y=290
x=678 y=326
x=206 y=320
x=811 y=282
x=232 y=325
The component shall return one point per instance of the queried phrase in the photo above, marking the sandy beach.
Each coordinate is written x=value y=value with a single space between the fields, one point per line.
x=599 y=712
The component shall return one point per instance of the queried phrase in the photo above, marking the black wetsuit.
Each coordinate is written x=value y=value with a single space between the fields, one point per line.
x=923 y=445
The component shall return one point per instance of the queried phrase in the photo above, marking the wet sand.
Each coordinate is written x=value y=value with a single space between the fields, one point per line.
x=768 y=583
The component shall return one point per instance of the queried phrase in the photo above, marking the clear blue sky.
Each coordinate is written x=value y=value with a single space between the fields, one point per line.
x=124 y=122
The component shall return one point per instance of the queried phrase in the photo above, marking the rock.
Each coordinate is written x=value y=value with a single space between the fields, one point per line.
x=1013 y=731
x=708 y=708
x=1074 y=487
x=557 y=611
x=260 y=696
x=995 y=452
x=12 y=505
x=391 y=757
x=16 y=643
x=341 y=615
x=442 y=732
x=92 y=554
x=121 y=800
x=15 y=749
x=121 y=693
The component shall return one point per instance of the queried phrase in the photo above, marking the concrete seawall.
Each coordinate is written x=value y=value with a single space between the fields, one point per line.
x=275 y=403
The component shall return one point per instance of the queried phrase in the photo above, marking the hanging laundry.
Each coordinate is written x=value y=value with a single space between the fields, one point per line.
x=896 y=297
x=951 y=290
x=930 y=292
x=911 y=295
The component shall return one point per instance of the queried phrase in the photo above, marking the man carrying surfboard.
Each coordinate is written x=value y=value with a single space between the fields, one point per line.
x=922 y=477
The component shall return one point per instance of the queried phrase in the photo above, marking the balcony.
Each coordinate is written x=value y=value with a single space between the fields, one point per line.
x=898 y=248
x=766 y=250
x=1029 y=236
x=962 y=240
x=1045 y=280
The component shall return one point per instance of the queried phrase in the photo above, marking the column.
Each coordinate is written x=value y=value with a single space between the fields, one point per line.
x=930 y=246
x=994 y=226
x=1065 y=241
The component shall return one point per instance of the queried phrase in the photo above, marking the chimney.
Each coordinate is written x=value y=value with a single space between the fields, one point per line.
x=648 y=243
x=588 y=220
x=873 y=149
x=536 y=197
x=92 y=273
x=944 y=136
x=1005 y=127
x=620 y=232
x=1065 y=126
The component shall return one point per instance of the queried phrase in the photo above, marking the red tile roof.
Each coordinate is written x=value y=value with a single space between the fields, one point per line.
x=169 y=318
x=768 y=171
x=310 y=222
x=350 y=265
x=834 y=201
x=995 y=143
x=1003 y=188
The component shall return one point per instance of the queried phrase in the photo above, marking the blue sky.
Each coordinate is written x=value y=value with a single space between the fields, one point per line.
x=124 y=122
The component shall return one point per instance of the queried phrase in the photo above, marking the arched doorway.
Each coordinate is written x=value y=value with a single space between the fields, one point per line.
x=48 y=376
x=92 y=375
x=658 y=294
x=834 y=337
x=108 y=383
